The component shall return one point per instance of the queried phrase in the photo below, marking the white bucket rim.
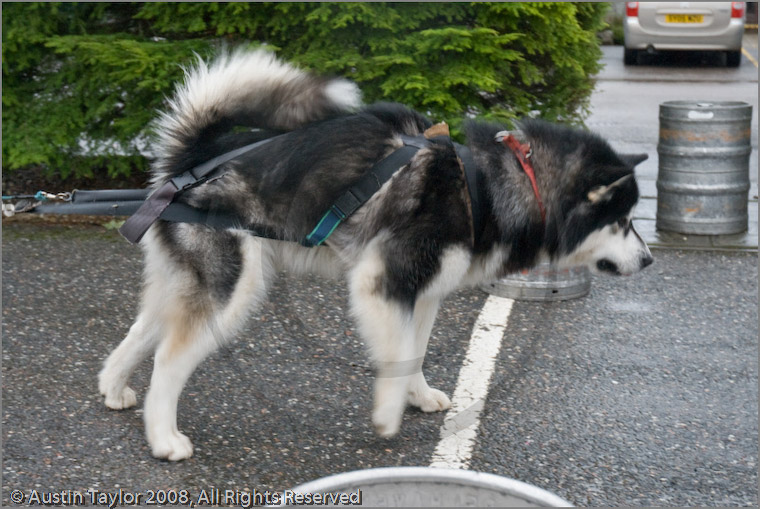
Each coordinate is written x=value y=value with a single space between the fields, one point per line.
x=471 y=478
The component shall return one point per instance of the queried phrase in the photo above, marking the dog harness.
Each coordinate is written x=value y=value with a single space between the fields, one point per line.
x=161 y=205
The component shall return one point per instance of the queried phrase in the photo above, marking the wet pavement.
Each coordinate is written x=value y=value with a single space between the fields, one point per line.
x=642 y=393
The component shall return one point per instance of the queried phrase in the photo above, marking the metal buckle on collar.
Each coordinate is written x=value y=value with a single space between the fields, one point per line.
x=518 y=135
x=499 y=138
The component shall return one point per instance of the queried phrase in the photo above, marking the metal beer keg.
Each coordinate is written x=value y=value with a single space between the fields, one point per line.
x=703 y=178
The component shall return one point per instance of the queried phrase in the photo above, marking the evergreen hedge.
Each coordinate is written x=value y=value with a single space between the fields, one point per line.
x=81 y=81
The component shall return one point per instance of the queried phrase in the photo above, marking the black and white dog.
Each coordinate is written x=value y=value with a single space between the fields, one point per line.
x=402 y=252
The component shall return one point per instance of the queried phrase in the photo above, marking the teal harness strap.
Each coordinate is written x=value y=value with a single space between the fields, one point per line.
x=363 y=190
x=325 y=227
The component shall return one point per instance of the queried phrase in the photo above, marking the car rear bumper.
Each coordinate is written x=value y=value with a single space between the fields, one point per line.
x=728 y=39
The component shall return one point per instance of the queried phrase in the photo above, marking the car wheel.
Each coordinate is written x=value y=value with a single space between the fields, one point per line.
x=733 y=58
x=630 y=56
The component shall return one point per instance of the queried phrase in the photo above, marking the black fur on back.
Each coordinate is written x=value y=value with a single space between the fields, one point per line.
x=295 y=178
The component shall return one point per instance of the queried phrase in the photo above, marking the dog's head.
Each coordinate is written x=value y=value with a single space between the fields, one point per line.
x=580 y=211
x=600 y=232
x=591 y=193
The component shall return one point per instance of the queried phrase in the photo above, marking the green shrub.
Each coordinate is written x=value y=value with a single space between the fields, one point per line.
x=615 y=22
x=81 y=81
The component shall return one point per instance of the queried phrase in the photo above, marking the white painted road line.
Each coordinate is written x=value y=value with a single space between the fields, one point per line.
x=460 y=426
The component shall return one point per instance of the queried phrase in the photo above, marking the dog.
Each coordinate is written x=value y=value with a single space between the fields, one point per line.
x=412 y=243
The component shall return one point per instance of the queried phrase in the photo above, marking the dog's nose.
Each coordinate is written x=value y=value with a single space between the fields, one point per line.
x=647 y=261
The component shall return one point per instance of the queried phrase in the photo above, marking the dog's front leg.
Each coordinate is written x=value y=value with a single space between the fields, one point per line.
x=389 y=332
x=387 y=327
x=420 y=393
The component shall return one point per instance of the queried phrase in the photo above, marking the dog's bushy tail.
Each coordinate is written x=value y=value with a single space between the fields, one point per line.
x=243 y=87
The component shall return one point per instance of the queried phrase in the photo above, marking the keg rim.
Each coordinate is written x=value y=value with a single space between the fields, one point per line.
x=706 y=104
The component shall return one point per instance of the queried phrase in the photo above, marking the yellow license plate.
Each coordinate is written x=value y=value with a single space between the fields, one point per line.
x=684 y=18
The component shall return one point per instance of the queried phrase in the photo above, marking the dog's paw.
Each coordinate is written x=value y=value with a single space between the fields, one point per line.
x=119 y=401
x=173 y=446
x=431 y=400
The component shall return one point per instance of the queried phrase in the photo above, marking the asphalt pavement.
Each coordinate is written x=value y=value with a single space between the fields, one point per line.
x=642 y=393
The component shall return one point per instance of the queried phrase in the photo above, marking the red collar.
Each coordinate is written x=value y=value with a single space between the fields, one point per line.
x=523 y=153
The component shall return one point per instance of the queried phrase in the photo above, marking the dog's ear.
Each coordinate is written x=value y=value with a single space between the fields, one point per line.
x=604 y=193
x=632 y=160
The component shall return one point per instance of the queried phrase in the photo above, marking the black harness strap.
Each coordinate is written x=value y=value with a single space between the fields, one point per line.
x=135 y=227
x=474 y=188
x=373 y=180
x=183 y=213
x=138 y=223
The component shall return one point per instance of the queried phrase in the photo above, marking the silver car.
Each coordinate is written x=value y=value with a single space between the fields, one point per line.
x=703 y=26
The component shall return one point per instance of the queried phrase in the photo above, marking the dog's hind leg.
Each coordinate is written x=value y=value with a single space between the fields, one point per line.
x=191 y=336
x=139 y=343
x=420 y=393
x=195 y=326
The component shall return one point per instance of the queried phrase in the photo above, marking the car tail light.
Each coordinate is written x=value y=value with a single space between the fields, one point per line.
x=737 y=9
x=632 y=9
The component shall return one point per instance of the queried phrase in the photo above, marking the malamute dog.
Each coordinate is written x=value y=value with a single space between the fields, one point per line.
x=429 y=230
